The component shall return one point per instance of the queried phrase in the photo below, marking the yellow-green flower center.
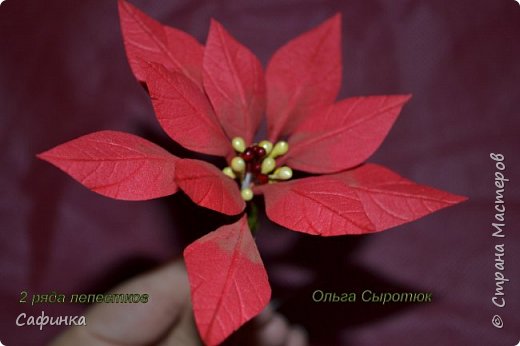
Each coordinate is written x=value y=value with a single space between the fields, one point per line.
x=256 y=164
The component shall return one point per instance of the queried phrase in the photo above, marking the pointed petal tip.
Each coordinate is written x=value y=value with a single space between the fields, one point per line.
x=214 y=21
x=123 y=5
x=214 y=24
x=459 y=199
x=46 y=156
x=331 y=24
x=407 y=97
x=337 y=17
x=43 y=157
x=453 y=199
x=335 y=21
x=402 y=98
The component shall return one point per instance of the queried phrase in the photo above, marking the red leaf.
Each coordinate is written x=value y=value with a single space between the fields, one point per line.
x=148 y=40
x=184 y=112
x=363 y=200
x=316 y=205
x=344 y=135
x=390 y=200
x=303 y=76
x=208 y=187
x=117 y=165
x=234 y=82
x=228 y=281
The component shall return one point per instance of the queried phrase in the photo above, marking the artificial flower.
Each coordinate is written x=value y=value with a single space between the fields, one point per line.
x=211 y=99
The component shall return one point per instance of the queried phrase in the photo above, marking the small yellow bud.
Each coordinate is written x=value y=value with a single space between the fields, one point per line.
x=282 y=173
x=238 y=164
x=238 y=144
x=280 y=148
x=229 y=172
x=268 y=146
x=247 y=194
x=268 y=165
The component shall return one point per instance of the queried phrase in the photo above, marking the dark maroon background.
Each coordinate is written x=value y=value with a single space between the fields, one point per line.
x=64 y=74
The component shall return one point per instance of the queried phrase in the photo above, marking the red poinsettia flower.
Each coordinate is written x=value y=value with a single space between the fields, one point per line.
x=211 y=99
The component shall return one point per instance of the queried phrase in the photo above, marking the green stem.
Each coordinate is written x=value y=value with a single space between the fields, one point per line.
x=252 y=217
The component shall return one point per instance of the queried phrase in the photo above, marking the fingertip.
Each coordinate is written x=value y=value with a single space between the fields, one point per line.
x=264 y=317
x=167 y=296
x=298 y=336
x=274 y=332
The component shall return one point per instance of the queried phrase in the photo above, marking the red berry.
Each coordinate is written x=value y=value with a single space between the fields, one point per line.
x=259 y=151
x=248 y=154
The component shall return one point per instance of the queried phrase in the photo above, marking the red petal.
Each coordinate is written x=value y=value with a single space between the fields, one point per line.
x=303 y=76
x=367 y=199
x=344 y=135
x=208 y=187
x=316 y=205
x=228 y=281
x=148 y=40
x=117 y=165
x=234 y=82
x=390 y=200
x=184 y=112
